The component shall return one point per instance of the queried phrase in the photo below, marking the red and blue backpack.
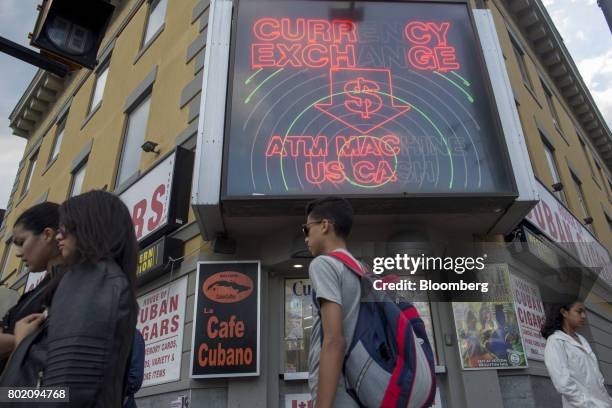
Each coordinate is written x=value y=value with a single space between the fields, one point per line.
x=389 y=363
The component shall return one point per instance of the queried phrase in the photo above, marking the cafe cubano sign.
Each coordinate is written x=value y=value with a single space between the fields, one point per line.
x=226 y=323
x=385 y=97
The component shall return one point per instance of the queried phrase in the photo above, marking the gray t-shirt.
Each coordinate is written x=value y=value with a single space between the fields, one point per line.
x=333 y=281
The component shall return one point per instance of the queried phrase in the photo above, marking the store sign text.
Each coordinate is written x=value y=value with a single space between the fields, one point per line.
x=315 y=43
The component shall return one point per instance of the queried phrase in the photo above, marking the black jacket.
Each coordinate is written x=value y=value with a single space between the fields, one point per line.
x=85 y=341
x=34 y=301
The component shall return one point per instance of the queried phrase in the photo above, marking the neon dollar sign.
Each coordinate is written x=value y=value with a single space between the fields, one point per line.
x=363 y=97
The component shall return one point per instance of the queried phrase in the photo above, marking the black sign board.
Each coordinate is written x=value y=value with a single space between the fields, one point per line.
x=361 y=98
x=154 y=259
x=72 y=29
x=226 y=320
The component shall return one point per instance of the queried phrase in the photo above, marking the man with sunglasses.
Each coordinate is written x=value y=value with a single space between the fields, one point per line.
x=336 y=291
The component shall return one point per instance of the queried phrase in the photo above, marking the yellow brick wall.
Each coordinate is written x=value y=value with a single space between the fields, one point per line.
x=106 y=127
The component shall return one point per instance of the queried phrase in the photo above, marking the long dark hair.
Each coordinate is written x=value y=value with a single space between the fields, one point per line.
x=39 y=217
x=554 y=318
x=103 y=229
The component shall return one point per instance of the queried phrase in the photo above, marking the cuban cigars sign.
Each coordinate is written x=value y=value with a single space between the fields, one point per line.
x=552 y=218
x=161 y=318
x=226 y=328
x=531 y=316
x=159 y=200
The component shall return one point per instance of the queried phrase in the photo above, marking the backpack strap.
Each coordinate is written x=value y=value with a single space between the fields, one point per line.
x=354 y=266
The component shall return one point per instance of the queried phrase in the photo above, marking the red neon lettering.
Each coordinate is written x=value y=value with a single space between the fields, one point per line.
x=344 y=28
x=310 y=60
x=446 y=59
x=440 y=32
x=295 y=143
x=363 y=172
x=157 y=207
x=319 y=147
x=430 y=50
x=347 y=55
x=355 y=146
x=347 y=147
x=314 y=30
x=266 y=29
x=390 y=145
x=298 y=146
x=319 y=30
x=300 y=29
x=411 y=31
x=275 y=147
x=385 y=173
x=138 y=213
x=262 y=55
x=420 y=57
x=335 y=172
x=319 y=176
x=297 y=55
x=288 y=55
x=332 y=171
x=422 y=32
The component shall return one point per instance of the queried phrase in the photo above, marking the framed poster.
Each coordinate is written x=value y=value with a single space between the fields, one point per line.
x=226 y=324
x=488 y=332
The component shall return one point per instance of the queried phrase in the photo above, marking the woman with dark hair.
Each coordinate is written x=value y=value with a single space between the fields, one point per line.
x=569 y=359
x=92 y=318
x=34 y=239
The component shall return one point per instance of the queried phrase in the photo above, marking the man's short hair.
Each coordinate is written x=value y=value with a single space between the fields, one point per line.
x=336 y=209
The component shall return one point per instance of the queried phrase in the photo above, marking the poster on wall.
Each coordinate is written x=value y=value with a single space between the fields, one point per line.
x=226 y=328
x=531 y=316
x=297 y=324
x=488 y=332
x=161 y=317
x=298 y=401
x=382 y=97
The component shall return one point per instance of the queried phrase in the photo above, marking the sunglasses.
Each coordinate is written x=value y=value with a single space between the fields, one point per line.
x=306 y=227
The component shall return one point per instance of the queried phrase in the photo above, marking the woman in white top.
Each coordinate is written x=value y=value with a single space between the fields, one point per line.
x=570 y=362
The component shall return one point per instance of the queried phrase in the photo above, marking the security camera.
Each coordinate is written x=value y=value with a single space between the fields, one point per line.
x=149 y=147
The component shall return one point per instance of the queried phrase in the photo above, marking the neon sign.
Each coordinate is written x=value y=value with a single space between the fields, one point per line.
x=388 y=99
x=300 y=43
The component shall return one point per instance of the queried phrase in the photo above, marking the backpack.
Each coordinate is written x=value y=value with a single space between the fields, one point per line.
x=389 y=363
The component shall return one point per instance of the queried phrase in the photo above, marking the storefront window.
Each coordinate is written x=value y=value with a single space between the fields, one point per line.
x=298 y=324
